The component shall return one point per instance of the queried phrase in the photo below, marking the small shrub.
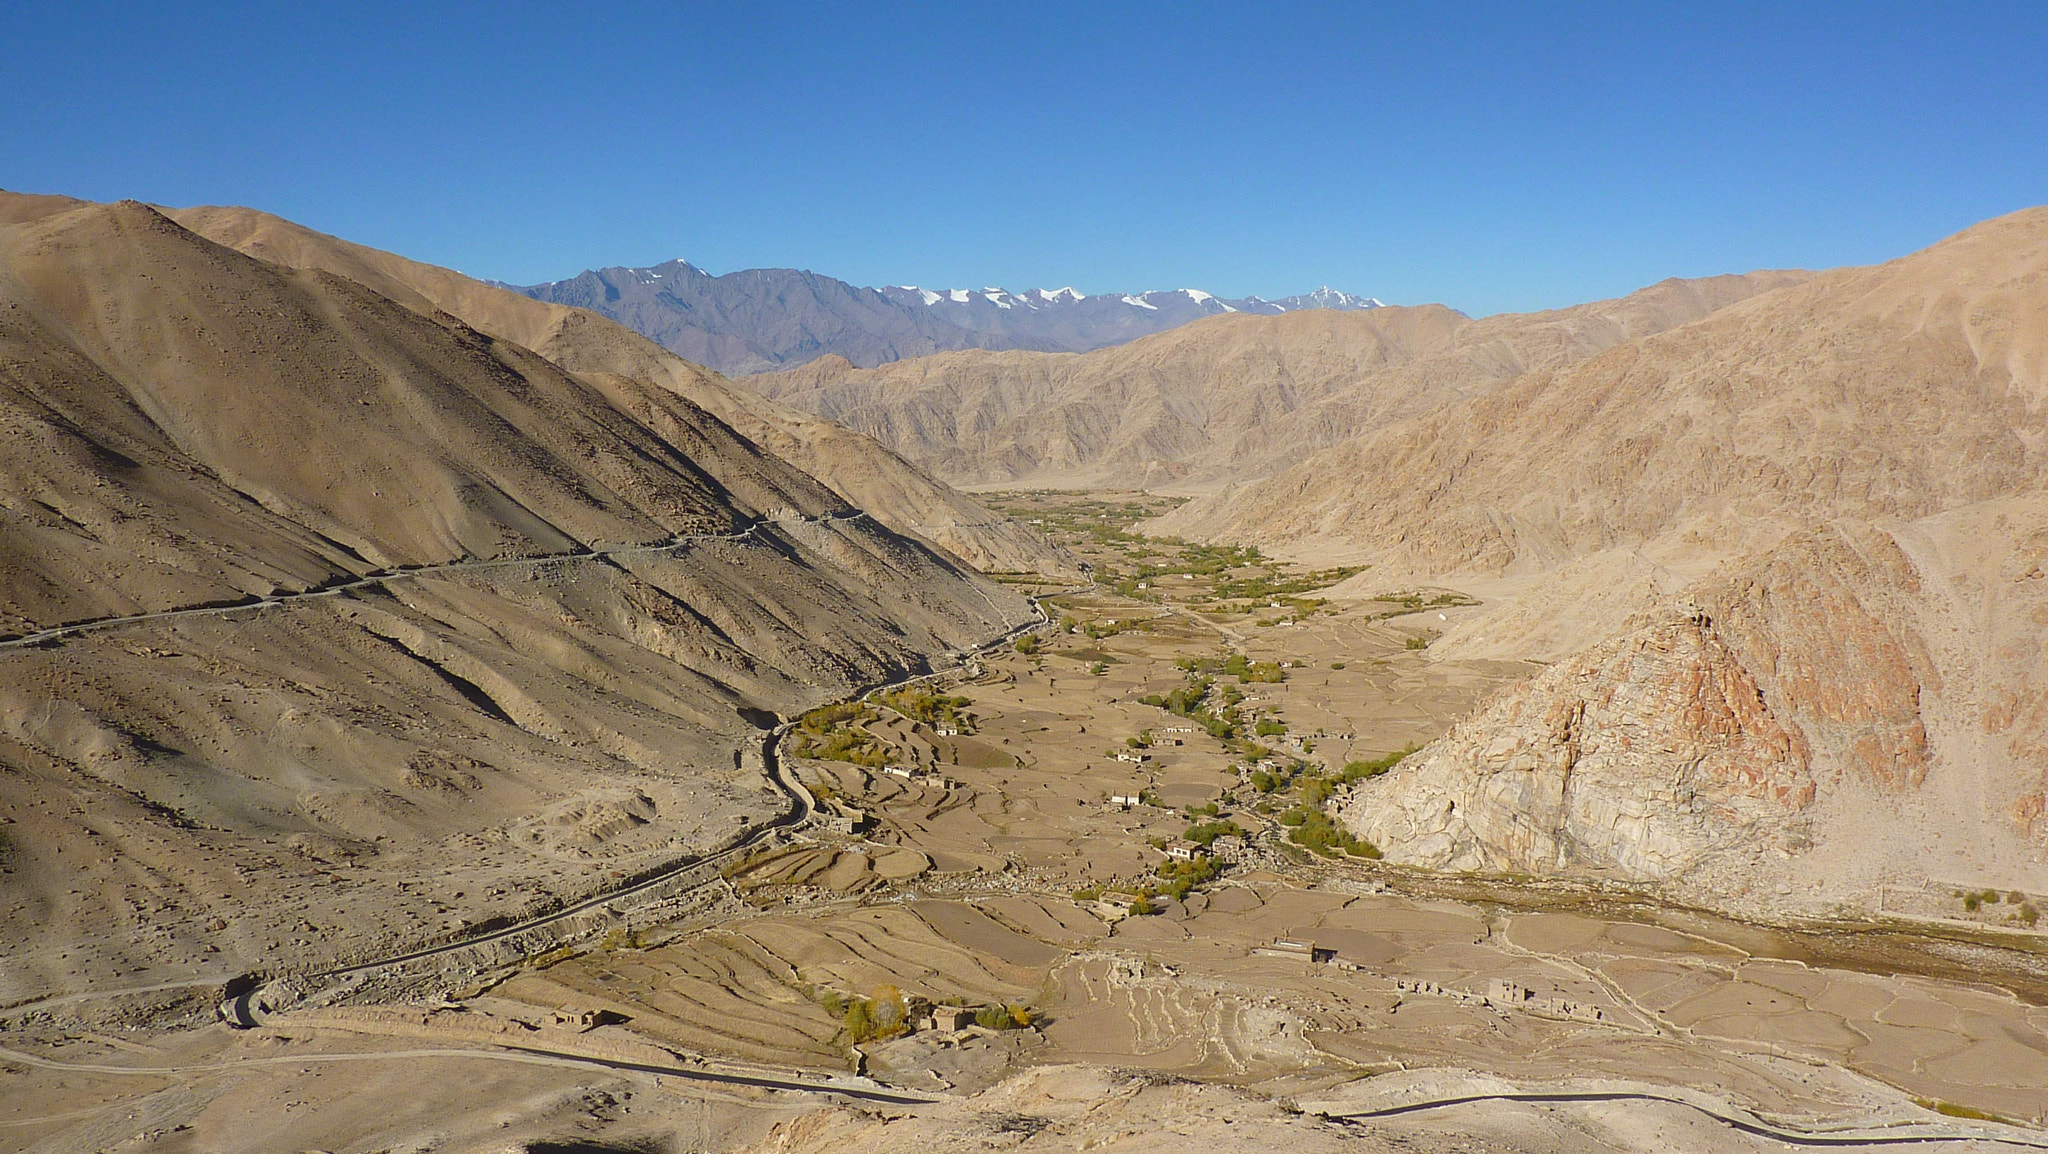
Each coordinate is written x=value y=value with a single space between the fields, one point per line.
x=1204 y=834
x=1359 y=770
x=1010 y=1017
x=1027 y=645
x=1317 y=790
x=858 y=1020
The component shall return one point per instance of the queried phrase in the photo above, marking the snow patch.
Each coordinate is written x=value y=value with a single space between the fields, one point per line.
x=1131 y=300
x=929 y=297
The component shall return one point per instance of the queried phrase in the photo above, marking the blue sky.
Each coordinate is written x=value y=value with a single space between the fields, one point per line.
x=1490 y=156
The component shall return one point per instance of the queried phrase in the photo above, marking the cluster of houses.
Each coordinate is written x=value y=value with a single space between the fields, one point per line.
x=1246 y=769
x=1504 y=995
x=1501 y=995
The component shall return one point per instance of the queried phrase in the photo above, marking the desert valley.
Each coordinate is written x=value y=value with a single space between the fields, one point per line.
x=437 y=716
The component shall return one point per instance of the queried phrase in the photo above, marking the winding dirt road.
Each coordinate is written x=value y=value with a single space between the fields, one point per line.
x=384 y=576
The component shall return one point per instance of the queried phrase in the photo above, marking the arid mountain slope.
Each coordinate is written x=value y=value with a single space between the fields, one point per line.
x=1227 y=397
x=586 y=594
x=854 y=466
x=1831 y=503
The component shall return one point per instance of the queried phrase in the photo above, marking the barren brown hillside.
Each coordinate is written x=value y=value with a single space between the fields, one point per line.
x=858 y=469
x=504 y=631
x=1898 y=390
x=1228 y=397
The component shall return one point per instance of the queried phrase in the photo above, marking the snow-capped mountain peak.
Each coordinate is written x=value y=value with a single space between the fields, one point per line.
x=758 y=319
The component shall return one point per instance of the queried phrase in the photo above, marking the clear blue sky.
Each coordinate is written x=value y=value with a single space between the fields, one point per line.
x=1490 y=156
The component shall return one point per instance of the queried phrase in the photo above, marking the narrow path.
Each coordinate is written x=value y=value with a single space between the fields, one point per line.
x=1748 y=1125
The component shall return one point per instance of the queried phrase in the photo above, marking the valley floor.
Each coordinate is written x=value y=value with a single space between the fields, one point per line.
x=1097 y=847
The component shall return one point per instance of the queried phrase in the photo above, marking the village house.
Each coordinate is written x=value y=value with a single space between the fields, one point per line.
x=1229 y=849
x=1303 y=951
x=843 y=818
x=951 y=1019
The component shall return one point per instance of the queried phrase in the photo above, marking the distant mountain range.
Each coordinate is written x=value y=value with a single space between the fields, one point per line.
x=760 y=320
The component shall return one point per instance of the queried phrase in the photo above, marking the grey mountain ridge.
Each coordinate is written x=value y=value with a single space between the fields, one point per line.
x=760 y=320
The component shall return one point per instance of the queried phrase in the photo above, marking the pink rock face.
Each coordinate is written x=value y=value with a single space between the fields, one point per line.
x=1812 y=621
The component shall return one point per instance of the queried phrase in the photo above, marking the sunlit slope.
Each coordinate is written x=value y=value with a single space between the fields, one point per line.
x=585 y=593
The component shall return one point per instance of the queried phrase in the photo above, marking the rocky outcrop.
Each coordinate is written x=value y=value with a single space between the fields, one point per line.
x=1712 y=725
x=1635 y=758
